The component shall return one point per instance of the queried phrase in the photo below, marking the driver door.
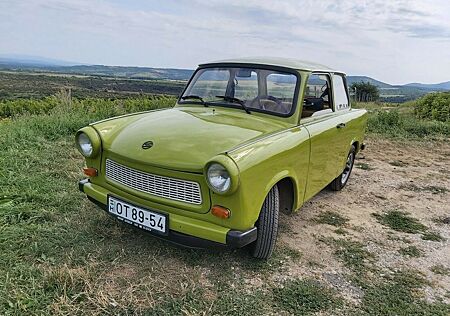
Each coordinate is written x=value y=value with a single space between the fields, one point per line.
x=320 y=119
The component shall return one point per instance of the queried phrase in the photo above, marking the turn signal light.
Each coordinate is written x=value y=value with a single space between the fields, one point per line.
x=220 y=211
x=90 y=172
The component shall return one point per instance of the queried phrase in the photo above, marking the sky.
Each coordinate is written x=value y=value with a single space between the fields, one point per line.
x=396 y=41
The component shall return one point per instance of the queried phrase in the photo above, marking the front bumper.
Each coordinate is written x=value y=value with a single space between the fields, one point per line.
x=183 y=230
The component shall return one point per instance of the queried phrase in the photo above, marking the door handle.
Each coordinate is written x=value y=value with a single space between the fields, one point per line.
x=340 y=125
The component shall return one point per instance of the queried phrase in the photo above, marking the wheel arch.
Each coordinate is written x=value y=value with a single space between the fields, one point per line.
x=355 y=143
x=288 y=190
x=287 y=195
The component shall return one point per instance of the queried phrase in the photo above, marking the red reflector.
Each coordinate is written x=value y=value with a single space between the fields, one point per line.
x=220 y=211
x=90 y=172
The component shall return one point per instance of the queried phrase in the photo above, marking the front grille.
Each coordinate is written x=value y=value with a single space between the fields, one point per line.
x=169 y=188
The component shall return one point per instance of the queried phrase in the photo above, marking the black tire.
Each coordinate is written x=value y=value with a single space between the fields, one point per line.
x=340 y=182
x=267 y=225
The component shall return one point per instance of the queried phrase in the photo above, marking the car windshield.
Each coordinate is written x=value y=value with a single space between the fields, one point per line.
x=252 y=89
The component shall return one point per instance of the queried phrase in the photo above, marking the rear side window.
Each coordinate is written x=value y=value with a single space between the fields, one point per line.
x=340 y=93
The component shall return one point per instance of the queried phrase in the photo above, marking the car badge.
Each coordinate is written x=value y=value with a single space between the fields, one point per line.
x=148 y=144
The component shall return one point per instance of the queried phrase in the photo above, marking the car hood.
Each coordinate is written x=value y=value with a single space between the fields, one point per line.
x=184 y=138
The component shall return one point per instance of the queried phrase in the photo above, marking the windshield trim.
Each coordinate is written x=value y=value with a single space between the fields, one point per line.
x=250 y=66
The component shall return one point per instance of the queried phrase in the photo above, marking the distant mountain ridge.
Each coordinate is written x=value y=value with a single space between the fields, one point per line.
x=388 y=92
x=379 y=84
x=27 y=60
x=129 y=72
x=437 y=86
x=38 y=65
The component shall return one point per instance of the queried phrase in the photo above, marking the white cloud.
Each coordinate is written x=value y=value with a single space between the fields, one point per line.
x=396 y=41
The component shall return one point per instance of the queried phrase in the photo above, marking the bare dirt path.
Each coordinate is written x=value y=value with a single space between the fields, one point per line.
x=388 y=175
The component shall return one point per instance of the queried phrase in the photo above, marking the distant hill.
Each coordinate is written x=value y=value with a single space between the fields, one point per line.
x=388 y=92
x=128 y=72
x=379 y=84
x=37 y=64
x=436 y=86
x=400 y=93
x=26 y=60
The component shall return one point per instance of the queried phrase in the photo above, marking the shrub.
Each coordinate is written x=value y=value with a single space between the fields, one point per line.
x=393 y=124
x=60 y=116
x=385 y=121
x=389 y=119
x=434 y=106
x=63 y=102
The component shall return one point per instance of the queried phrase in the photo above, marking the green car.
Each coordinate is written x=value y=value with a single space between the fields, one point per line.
x=247 y=139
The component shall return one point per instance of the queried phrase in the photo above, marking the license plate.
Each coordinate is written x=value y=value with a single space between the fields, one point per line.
x=137 y=216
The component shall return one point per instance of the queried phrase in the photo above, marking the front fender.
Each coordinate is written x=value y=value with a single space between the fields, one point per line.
x=261 y=165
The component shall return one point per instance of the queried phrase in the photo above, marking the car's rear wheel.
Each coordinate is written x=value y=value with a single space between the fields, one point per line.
x=342 y=179
x=267 y=225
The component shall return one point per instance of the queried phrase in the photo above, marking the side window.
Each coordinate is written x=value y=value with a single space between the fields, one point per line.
x=317 y=96
x=340 y=93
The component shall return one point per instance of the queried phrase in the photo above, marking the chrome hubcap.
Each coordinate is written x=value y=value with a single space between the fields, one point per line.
x=348 y=168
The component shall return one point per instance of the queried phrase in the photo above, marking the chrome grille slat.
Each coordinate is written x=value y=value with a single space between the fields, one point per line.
x=161 y=186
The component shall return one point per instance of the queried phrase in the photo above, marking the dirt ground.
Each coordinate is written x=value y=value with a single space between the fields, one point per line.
x=409 y=177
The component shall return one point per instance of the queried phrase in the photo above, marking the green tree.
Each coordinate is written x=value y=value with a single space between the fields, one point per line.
x=365 y=91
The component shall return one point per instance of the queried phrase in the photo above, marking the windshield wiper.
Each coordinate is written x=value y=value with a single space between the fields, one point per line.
x=194 y=97
x=234 y=100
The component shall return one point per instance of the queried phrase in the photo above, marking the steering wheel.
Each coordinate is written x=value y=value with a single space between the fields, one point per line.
x=264 y=97
x=324 y=90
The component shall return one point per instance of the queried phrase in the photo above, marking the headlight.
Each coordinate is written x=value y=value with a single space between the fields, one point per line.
x=218 y=178
x=85 y=145
x=88 y=142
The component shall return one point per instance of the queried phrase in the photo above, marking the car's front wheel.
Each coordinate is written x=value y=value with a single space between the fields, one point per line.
x=267 y=225
x=342 y=179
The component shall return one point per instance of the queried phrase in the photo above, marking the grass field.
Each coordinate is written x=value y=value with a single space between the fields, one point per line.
x=62 y=255
x=24 y=85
